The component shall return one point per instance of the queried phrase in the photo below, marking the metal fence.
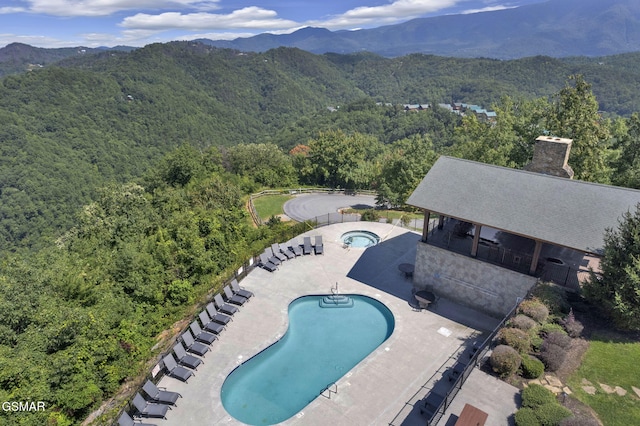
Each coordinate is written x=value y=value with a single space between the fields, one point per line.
x=335 y=217
x=478 y=353
x=294 y=191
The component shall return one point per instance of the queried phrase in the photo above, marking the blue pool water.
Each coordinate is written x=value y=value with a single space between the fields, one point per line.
x=326 y=338
x=360 y=239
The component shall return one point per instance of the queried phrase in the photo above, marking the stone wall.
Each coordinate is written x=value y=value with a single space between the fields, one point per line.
x=468 y=281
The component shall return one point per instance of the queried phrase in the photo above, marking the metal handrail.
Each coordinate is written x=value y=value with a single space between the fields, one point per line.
x=479 y=352
x=329 y=390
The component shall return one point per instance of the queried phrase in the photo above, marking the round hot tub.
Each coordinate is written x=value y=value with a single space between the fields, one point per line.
x=360 y=239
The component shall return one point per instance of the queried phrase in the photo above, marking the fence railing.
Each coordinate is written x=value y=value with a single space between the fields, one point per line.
x=561 y=274
x=479 y=351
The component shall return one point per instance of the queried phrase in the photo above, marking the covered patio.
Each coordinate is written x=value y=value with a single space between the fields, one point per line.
x=538 y=225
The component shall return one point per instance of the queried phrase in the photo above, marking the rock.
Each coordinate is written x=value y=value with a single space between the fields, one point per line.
x=535 y=382
x=586 y=382
x=553 y=381
x=620 y=391
x=567 y=390
x=591 y=390
x=636 y=390
x=553 y=389
x=607 y=388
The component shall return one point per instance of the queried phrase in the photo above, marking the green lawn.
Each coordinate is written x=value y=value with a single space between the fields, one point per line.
x=613 y=363
x=270 y=205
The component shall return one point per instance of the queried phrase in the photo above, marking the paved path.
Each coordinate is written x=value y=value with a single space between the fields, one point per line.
x=385 y=386
x=308 y=206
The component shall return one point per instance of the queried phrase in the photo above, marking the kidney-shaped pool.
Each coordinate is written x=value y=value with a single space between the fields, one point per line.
x=327 y=336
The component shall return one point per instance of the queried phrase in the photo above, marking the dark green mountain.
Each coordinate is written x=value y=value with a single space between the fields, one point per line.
x=67 y=129
x=19 y=57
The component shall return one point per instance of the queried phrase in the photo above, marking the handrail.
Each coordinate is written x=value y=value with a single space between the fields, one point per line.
x=329 y=390
x=334 y=290
x=479 y=351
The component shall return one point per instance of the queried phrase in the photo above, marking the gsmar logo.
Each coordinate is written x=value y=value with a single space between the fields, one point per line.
x=23 y=406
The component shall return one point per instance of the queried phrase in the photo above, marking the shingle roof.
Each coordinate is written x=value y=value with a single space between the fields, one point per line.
x=560 y=211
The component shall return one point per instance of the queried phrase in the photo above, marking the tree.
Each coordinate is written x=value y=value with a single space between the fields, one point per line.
x=627 y=165
x=264 y=163
x=484 y=142
x=403 y=168
x=617 y=288
x=575 y=116
x=340 y=160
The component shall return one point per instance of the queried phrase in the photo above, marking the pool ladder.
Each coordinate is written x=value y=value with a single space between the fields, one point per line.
x=331 y=388
x=334 y=290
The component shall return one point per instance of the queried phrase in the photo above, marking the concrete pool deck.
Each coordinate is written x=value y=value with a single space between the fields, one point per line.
x=384 y=386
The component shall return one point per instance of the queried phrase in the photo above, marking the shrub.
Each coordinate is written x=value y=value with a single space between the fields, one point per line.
x=505 y=360
x=551 y=327
x=522 y=322
x=370 y=215
x=572 y=325
x=526 y=417
x=554 y=298
x=560 y=339
x=535 y=339
x=552 y=355
x=551 y=414
x=535 y=395
x=516 y=338
x=534 y=309
x=531 y=367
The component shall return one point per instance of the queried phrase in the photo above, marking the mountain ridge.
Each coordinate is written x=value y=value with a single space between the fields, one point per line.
x=556 y=28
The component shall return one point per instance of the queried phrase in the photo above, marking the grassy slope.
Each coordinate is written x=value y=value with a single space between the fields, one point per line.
x=613 y=363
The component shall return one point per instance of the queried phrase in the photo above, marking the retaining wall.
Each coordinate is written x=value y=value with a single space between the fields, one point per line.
x=483 y=286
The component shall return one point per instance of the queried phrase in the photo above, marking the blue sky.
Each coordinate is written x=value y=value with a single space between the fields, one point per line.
x=93 y=23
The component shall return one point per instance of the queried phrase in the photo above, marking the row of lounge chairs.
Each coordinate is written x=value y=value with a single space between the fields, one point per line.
x=273 y=256
x=193 y=344
x=158 y=402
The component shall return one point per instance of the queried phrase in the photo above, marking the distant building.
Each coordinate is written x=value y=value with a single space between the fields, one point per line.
x=415 y=107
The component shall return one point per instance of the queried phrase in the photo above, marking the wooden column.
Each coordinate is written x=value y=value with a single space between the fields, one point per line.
x=425 y=226
x=536 y=257
x=476 y=240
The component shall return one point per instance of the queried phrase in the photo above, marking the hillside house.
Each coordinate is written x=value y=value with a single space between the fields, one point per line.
x=500 y=230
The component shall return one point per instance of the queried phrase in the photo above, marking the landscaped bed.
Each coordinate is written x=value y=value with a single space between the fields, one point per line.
x=590 y=371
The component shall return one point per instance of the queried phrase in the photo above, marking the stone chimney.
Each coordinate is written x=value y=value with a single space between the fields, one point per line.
x=550 y=156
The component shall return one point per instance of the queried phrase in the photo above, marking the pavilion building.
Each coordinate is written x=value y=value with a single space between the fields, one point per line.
x=490 y=233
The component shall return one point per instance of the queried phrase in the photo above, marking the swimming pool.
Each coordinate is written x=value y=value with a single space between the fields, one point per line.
x=360 y=239
x=326 y=338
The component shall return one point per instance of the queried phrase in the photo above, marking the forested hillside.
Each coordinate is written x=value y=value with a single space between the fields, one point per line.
x=123 y=179
x=108 y=117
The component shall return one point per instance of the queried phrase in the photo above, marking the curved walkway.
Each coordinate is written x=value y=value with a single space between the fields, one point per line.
x=382 y=389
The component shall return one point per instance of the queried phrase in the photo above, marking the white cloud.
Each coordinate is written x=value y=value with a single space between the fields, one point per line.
x=393 y=12
x=34 y=40
x=7 y=10
x=220 y=36
x=248 y=17
x=486 y=9
x=108 y=7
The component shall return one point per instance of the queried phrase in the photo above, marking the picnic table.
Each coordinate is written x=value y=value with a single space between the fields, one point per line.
x=471 y=416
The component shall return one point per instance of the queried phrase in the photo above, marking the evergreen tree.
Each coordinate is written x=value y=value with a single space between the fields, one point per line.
x=575 y=116
x=617 y=288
